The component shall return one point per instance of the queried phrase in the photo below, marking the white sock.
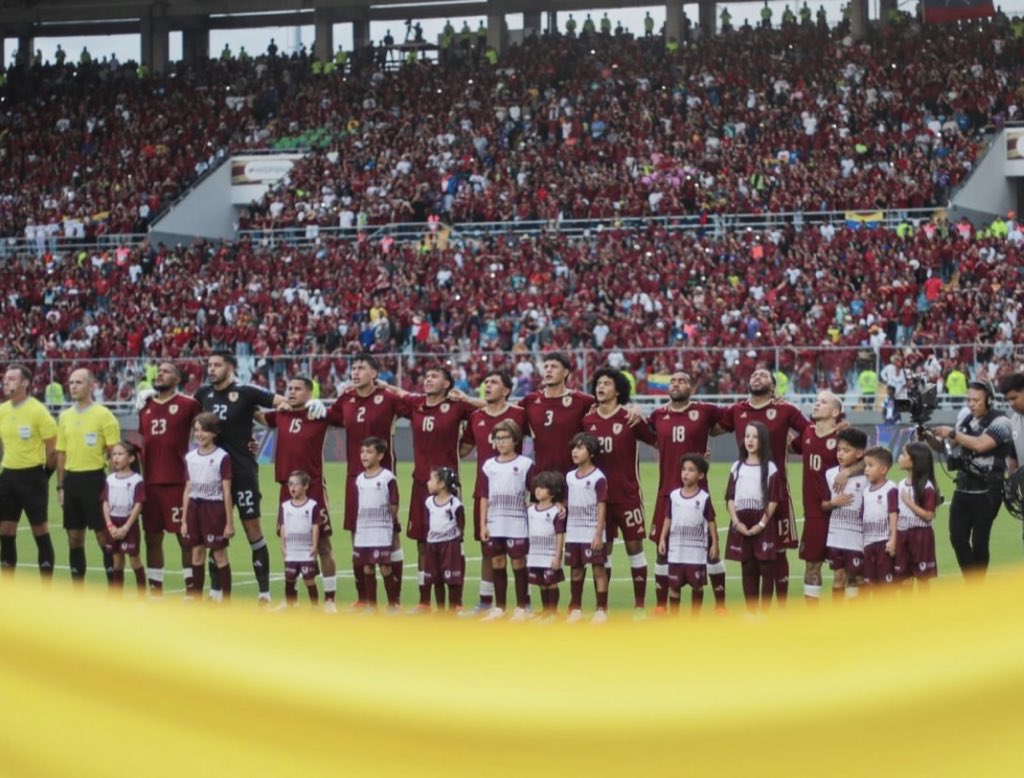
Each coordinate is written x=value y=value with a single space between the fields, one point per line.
x=330 y=583
x=156 y=574
x=813 y=591
x=852 y=591
x=487 y=588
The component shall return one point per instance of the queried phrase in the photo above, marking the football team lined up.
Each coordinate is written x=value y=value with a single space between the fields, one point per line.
x=564 y=508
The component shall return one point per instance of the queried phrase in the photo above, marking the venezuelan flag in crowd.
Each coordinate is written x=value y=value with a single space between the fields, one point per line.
x=657 y=383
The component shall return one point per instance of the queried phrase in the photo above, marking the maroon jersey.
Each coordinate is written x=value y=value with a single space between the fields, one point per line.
x=300 y=444
x=619 y=459
x=819 y=456
x=166 y=429
x=478 y=433
x=553 y=423
x=435 y=433
x=364 y=417
x=678 y=433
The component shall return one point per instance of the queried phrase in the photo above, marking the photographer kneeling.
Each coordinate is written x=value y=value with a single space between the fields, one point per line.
x=976 y=448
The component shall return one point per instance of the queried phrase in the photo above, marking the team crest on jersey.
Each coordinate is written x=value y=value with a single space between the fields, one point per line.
x=771 y=414
x=567 y=401
x=831 y=444
x=445 y=407
x=233 y=397
x=616 y=429
x=694 y=415
x=173 y=408
x=378 y=399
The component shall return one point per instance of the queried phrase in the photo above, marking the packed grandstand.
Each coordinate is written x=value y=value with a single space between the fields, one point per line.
x=608 y=129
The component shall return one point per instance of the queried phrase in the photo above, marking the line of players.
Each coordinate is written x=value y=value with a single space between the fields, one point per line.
x=447 y=426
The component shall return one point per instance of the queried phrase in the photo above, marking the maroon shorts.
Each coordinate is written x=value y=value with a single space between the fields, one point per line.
x=660 y=514
x=627 y=517
x=417 y=528
x=307 y=571
x=878 y=565
x=515 y=548
x=687 y=574
x=161 y=512
x=129 y=544
x=763 y=547
x=812 y=542
x=582 y=554
x=206 y=523
x=544 y=576
x=785 y=525
x=846 y=559
x=368 y=556
x=445 y=563
x=915 y=553
x=317 y=491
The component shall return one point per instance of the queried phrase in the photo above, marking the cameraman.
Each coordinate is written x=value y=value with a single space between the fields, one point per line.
x=980 y=442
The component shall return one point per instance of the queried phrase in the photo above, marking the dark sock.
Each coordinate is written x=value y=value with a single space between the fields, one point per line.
x=140 y=578
x=455 y=596
x=522 y=587
x=314 y=597
x=195 y=583
x=291 y=594
x=750 y=582
x=76 y=558
x=673 y=604
x=116 y=579
x=768 y=571
x=553 y=595
x=439 y=595
x=396 y=578
x=225 y=580
x=500 y=587
x=214 y=575
x=370 y=588
x=44 y=544
x=393 y=589
x=718 y=588
x=360 y=579
x=261 y=564
x=697 y=599
x=639 y=586
x=576 y=594
x=544 y=599
x=660 y=590
x=781 y=577
x=8 y=553
x=108 y=566
x=425 y=595
x=602 y=601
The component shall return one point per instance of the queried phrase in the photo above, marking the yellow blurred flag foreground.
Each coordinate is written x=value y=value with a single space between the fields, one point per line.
x=914 y=685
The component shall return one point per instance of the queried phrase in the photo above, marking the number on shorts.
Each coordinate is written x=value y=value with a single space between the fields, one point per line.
x=244 y=498
x=295 y=427
x=158 y=426
x=176 y=515
x=816 y=463
x=679 y=434
x=221 y=411
x=635 y=518
x=361 y=415
x=549 y=418
x=783 y=528
x=428 y=423
x=606 y=444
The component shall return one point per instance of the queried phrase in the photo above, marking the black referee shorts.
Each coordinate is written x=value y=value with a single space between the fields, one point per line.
x=83 y=505
x=24 y=489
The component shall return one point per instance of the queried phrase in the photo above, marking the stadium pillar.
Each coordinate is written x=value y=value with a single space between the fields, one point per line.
x=360 y=34
x=552 y=25
x=195 y=41
x=155 y=44
x=706 y=16
x=323 y=31
x=25 y=50
x=531 y=23
x=496 y=32
x=885 y=7
x=673 y=21
x=859 y=19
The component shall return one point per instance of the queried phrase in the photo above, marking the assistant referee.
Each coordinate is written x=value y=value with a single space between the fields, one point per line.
x=28 y=434
x=85 y=434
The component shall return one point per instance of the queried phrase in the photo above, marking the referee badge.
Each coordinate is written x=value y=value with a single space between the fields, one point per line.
x=173 y=408
x=694 y=415
x=771 y=414
x=233 y=397
x=567 y=401
x=830 y=444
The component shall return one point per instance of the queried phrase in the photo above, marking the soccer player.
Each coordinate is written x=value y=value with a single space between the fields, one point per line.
x=28 y=434
x=681 y=427
x=165 y=422
x=478 y=435
x=689 y=534
x=880 y=517
x=779 y=417
x=298 y=525
x=504 y=527
x=86 y=432
x=235 y=406
x=619 y=459
x=752 y=497
x=546 y=522
x=817 y=447
x=300 y=447
x=446 y=524
x=437 y=421
x=585 y=527
x=207 y=515
x=375 y=532
x=366 y=410
x=123 y=497
x=919 y=497
x=555 y=414
x=845 y=525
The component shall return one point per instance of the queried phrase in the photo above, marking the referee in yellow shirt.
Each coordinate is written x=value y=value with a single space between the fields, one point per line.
x=85 y=434
x=28 y=434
